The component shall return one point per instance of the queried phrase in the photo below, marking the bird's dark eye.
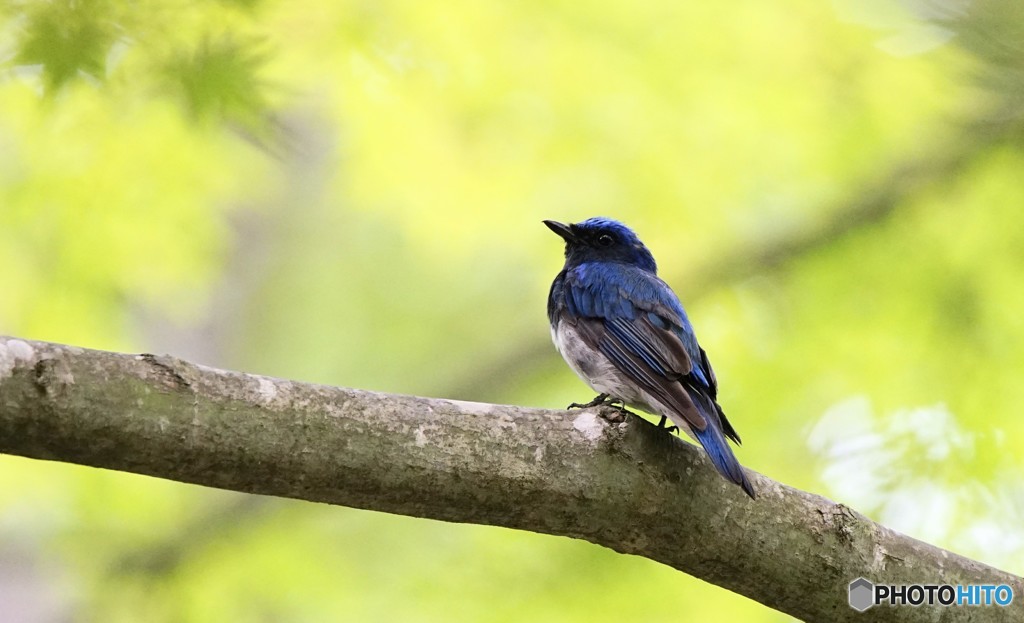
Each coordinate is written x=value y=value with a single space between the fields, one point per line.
x=605 y=240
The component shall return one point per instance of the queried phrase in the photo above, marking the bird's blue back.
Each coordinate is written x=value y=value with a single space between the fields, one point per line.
x=617 y=291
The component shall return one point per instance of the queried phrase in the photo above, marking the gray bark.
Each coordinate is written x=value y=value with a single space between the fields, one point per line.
x=622 y=484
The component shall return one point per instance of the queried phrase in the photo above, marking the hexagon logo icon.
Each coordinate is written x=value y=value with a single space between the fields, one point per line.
x=861 y=594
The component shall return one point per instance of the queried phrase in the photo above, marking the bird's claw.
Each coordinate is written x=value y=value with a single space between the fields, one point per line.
x=600 y=400
x=670 y=429
x=618 y=408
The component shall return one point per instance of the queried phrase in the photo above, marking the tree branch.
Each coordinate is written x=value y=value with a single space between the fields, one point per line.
x=627 y=485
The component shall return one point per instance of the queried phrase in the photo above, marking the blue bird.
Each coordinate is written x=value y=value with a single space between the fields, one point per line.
x=624 y=332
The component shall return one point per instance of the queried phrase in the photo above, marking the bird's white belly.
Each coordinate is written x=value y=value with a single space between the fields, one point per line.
x=593 y=367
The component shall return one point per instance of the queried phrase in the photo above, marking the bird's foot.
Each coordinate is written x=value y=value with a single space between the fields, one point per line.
x=615 y=413
x=618 y=405
x=671 y=429
x=600 y=400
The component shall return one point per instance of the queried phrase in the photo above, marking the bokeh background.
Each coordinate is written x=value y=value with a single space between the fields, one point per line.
x=350 y=192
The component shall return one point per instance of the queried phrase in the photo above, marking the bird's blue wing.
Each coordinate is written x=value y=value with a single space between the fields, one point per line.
x=635 y=320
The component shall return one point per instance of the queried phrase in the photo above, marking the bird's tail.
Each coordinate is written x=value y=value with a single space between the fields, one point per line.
x=721 y=455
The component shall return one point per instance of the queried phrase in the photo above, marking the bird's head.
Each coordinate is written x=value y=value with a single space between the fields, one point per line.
x=602 y=239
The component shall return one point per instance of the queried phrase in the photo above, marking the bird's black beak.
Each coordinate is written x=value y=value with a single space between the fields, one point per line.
x=562 y=230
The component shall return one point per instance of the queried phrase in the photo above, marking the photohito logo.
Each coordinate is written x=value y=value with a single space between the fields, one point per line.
x=865 y=594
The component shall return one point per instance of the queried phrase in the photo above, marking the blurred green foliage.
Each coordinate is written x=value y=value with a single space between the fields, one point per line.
x=350 y=193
